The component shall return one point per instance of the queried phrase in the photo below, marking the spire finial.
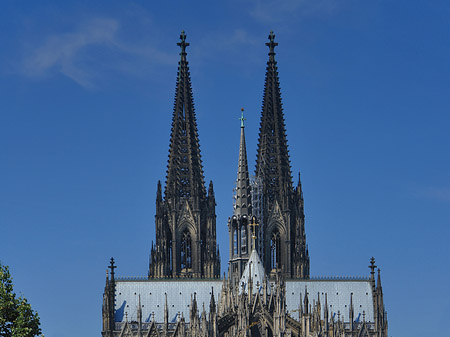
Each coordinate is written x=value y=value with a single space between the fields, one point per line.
x=242 y=119
x=271 y=44
x=372 y=267
x=183 y=44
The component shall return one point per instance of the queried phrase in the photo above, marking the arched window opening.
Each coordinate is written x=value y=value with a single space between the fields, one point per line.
x=186 y=250
x=275 y=250
x=170 y=255
x=235 y=242
x=243 y=240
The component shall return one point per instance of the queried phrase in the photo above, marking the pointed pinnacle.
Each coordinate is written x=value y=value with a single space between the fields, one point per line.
x=379 y=279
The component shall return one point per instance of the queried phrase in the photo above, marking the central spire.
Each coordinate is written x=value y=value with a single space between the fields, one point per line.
x=184 y=171
x=238 y=224
x=243 y=199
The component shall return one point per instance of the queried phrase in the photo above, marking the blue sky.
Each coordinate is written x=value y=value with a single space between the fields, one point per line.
x=86 y=97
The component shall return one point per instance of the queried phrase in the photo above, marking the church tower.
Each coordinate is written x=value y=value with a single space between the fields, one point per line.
x=185 y=217
x=282 y=229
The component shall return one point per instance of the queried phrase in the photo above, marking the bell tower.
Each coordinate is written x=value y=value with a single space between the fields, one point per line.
x=185 y=217
x=283 y=221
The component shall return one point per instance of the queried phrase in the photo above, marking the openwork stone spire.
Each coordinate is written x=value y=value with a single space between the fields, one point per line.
x=243 y=198
x=281 y=214
x=184 y=170
x=185 y=218
x=272 y=164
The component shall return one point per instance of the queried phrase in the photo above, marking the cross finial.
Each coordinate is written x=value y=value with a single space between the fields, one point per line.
x=242 y=119
x=183 y=44
x=253 y=224
x=271 y=44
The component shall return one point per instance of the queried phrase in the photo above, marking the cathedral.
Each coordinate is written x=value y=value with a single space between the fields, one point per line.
x=268 y=290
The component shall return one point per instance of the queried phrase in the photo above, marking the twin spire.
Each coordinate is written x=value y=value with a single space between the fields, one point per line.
x=185 y=215
x=272 y=163
x=184 y=170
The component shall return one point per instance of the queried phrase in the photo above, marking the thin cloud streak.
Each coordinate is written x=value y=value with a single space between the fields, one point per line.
x=76 y=54
x=441 y=194
x=60 y=52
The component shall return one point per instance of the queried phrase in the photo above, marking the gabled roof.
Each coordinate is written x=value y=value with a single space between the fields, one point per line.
x=256 y=267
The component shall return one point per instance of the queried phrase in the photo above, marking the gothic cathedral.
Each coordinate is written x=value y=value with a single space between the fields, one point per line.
x=268 y=290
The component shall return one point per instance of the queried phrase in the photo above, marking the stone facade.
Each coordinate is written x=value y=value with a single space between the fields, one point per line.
x=268 y=290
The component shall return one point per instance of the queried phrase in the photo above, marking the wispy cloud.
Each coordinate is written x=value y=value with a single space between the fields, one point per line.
x=435 y=193
x=60 y=52
x=272 y=11
x=91 y=47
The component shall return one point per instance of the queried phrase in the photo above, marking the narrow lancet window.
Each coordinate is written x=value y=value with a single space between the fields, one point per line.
x=186 y=250
x=243 y=240
x=275 y=250
x=235 y=242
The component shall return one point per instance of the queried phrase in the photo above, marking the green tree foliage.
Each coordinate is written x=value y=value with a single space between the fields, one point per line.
x=17 y=319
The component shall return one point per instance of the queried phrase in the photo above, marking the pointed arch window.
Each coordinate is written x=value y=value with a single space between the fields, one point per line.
x=275 y=250
x=243 y=240
x=235 y=242
x=186 y=250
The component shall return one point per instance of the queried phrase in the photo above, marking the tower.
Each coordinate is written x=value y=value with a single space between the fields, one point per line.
x=185 y=219
x=239 y=224
x=283 y=221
